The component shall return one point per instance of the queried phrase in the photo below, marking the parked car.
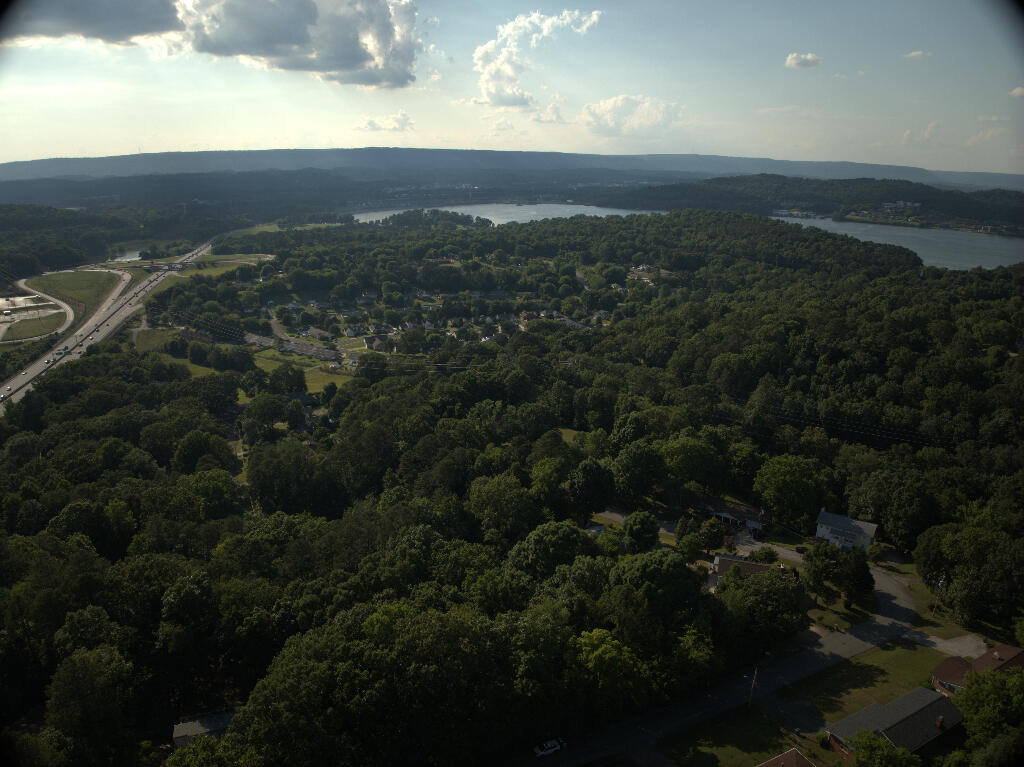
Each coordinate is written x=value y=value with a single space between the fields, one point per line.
x=549 y=747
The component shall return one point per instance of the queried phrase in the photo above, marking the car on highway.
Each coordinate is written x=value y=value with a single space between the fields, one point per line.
x=549 y=747
x=46 y=362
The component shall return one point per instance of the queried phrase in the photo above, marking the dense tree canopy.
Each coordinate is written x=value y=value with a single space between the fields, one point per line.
x=242 y=539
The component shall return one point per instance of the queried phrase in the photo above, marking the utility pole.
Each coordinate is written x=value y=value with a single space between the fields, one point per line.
x=753 y=684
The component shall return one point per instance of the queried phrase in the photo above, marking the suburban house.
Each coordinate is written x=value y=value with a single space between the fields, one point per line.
x=910 y=722
x=734 y=515
x=950 y=676
x=213 y=725
x=377 y=343
x=723 y=563
x=845 y=532
x=792 y=758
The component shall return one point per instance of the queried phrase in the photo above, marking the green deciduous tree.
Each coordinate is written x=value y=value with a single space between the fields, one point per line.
x=89 y=700
x=791 y=488
x=872 y=750
x=640 y=532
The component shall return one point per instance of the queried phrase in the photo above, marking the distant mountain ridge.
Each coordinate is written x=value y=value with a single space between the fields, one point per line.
x=395 y=158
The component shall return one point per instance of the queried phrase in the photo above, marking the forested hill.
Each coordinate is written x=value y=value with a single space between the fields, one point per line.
x=38 y=238
x=766 y=193
x=394 y=568
x=400 y=160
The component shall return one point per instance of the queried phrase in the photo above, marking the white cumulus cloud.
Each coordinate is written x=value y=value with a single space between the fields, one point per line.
x=1018 y=92
x=802 y=60
x=985 y=136
x=550 y=114
x=920 y=138
x=626 y=115
x=500 y=61
x=917 y=55
x=399 y=121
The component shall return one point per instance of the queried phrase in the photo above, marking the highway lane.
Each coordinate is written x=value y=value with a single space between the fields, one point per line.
x=103 y=323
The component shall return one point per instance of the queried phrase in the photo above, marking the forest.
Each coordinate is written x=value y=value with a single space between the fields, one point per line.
x=765 y=193
x=173 y=545
x=38 y=238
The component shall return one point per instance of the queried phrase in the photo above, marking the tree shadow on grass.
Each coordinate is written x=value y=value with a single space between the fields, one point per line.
x=826 y=690
x=692 y=756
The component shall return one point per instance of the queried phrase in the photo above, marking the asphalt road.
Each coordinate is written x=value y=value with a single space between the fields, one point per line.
x=104 y=322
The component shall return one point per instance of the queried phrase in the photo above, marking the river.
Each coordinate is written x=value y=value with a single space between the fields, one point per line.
x=947 y=248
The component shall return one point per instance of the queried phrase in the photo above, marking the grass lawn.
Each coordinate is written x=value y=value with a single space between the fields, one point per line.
x=740 y=738
x=317 y=379
x=781 y=537
x=835 y=616
x=317 y=375
x=194 y=369
x=932 y=617
x=249 y=258
x=879 y=675
x=84 y=290
x=138 y=274
x=152 y=340
x=210 y=270
x=167 y=282
x=351 y=344
x=36 y=326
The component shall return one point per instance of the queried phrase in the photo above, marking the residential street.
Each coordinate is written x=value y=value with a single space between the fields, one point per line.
x=638 y=736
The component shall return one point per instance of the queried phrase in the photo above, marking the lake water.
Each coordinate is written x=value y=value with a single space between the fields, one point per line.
x=507 y=213
x=947 y=248
x=936 y=247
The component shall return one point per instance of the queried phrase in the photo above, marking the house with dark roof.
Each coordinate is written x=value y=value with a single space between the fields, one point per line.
x=723 y=563
x=845 y=532
x=735 y=514
x=792 y=758
x=910 y=722
x=213 y=725
x=950 y=676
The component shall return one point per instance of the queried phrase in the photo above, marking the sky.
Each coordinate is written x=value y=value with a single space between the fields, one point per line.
x=930 y=83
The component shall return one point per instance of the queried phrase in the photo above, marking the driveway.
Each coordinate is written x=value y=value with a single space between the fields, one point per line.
x=745 y=544
x=614 y=515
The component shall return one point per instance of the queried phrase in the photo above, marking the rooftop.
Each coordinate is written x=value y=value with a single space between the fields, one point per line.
x=908 y=722
x=954 y=670
x=846 y=524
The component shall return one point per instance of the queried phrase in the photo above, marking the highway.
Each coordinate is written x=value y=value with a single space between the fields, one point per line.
x=103 y=323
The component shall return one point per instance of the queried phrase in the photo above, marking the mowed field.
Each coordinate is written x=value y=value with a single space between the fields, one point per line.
x=35 y=326
x=84 y=291
x=318 y=375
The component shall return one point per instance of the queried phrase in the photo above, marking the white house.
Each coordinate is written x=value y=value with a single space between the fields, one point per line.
x=845 y=532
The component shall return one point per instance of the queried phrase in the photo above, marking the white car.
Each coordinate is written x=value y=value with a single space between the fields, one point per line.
x=549 y=747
